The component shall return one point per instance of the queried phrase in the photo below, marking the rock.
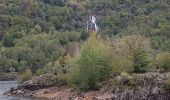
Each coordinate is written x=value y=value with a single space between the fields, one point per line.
x=103 y=98
x=147 y=86
x=122 y=80
x=78 y=98
x=46 y=91
x=47 y=79
x=42 y=81
x=8 y=77
x=19 y=92
x=28 y=88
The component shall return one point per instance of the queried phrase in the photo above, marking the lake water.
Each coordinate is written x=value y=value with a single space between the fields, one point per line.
x=5 y=86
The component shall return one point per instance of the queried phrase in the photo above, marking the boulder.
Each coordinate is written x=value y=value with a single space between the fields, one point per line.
x=46 y=91
x=20 y=91
x=47 y=79
x=8 y=77
x=28 y=88
x=42 y=81
x=147 y=86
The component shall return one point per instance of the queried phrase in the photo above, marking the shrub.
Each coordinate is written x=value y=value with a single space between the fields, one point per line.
x=84 y=79
x=60 y=68
x=93 y=64
x=134 y=48
x=26 y=75
x=166 y=85
x=121 y=64
x=163 y=61
x=8 y=41
x=140 y=61
x=73 y=78
x=66 y=37
x=41 y=71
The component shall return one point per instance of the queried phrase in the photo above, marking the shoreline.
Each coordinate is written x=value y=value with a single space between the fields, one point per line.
x=9 y=77
x=62 y=92
x=67 y=93
x=147 y=86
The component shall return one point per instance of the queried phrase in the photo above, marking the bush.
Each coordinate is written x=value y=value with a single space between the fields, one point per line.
x=84 y=79
x=163 y=61
x=94 y=64
x=121 y=64
x=134 y=48
x=41 y=71
x=166 y=85
x=60 y=68
x=138 y=50
x=66 y=37
x=8 y=41
x=140 y=61
x=26 y=75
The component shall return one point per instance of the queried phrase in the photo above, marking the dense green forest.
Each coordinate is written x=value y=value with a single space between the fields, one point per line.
x=37 y=35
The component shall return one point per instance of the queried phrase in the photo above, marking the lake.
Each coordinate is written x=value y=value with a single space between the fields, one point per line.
x=5 y=86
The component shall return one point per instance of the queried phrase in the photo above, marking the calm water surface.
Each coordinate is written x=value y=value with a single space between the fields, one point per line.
x=5 y=86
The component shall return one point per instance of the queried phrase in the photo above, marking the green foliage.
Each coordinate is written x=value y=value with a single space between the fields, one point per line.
x=66 y=37
x=121 y=64
x=41 y=71
x=37 y=29
x=54 y=2
x=135 y=49
x=163 y=61
x=36 y=35
x=94 y=63
x=63 y=64
x=26 y=75
x=164 y=30
x=166 y=85
x=8 y=41
x=140 y=61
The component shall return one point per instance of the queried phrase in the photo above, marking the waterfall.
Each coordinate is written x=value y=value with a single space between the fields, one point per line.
x=91 y=24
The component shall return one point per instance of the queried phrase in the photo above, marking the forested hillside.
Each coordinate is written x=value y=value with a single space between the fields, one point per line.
x=36 y=36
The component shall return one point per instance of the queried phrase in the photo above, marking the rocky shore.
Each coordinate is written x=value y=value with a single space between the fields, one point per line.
x=8 y=77
x=148 y=86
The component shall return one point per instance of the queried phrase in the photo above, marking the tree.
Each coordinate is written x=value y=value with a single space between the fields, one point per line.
x=94 y=63
x=135 y=48
x=8 y=41
x=163 y=61
x=38 y=29
x=165 y=30
x=55 y=2
x=140 y=61
x=26 y=75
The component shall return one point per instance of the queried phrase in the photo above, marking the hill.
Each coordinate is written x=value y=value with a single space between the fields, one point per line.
x=45 y=36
